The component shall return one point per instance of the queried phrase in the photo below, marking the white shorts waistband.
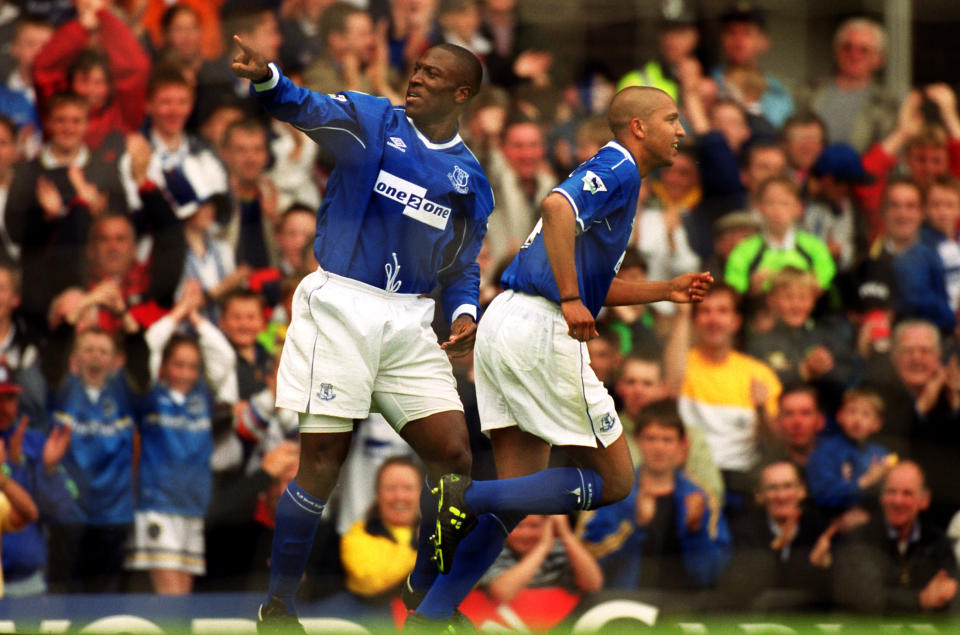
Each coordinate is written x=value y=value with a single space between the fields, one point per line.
x=363 y=287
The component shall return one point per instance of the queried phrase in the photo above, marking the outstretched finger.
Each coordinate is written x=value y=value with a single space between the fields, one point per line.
x=243 y=47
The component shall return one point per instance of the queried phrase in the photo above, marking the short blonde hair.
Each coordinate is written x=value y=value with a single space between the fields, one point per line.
x=869 y=395
x=789 y=276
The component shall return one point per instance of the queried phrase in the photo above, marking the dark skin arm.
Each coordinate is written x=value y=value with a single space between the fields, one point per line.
x=463 y=332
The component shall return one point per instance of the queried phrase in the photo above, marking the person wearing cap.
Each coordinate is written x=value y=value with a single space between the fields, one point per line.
x=678 y=38
x=832 y=214
x=744 y=39
x=29 y=471
x=856 y=108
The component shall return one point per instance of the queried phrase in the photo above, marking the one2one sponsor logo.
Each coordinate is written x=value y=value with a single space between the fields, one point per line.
x=414 y=200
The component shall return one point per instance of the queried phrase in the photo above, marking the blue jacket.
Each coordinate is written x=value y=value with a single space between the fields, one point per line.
x=100 y=456
x=922 y=286
x=25 y=551
x=401 y=213
x=835 y=466
x=613 y=535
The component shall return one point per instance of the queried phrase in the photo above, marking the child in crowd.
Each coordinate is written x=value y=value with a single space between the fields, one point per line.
x=98 y=407
x=942 y=212
x=174 y=480
x=844 y=468
x=798 y=348
x=780 y=244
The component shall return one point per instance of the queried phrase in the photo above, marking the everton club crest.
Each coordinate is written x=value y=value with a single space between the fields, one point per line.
x=459 y=179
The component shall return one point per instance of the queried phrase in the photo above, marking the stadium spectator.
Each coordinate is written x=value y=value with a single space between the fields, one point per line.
x=844 y=468
x=542 y=551
x=927 y=144
x=520 y=178
x=804 y=137
x=638 y=327
x=300 y=28
x=723 y=392
x=9 y=155
x=17 y=350
x=727 y=232
x=832 y=213
x=775 y=544
x=856 y=108
x=52 y=199
x=32 y=461
x=354 y=55
x=98 y=407
x=173 y=476
x=410 y=26
x=639 y=383
x=796 y=430
x=780 y=244
x=677 y=41
x=182 y=39
x=254 y=195
x=669 y=533
x=19 y=97
x=295 y=230
x=941 y=207
x=919 y=273
x=744 y=39
x=241 y=320
x=181 y=166
x=378 y=552
x=799 y=347
x=922 y=405
x=98 y=57
x=165 y=23
x=898 y=562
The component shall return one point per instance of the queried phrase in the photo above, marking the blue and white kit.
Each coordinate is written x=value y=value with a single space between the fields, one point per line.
x=529 y=372
x=402 y=215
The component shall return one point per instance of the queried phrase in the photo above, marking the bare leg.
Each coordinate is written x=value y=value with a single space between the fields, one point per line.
x=169 y=582
x=612 y=463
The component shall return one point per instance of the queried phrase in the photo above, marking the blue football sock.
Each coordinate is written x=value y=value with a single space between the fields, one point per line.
x=298 y=514
x=425 y=570
x=475 y=553
x=556 y=490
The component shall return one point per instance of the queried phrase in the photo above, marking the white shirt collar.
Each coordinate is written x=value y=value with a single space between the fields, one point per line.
x=50 y=162
x=435 y=146
x=619 y=146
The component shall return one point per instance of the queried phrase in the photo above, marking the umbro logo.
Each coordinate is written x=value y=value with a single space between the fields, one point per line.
x=397 y=142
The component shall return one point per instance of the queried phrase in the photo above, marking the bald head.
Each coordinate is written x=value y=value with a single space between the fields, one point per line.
x=635 y=102
x=469 y=71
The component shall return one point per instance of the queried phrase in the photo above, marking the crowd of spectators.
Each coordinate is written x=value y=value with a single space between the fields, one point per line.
x=798 y=430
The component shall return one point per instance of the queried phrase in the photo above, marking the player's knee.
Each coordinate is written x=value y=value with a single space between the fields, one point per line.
x=616 y=487
x=319 y=467
x=454 y=456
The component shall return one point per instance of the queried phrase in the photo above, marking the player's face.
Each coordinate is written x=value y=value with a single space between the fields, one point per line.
x=398 y=495
x=781 y=491
x=903 y=496
x=664 y=132
x=432 y=88
x=662 y=448
x=799 y=419
x=182 y=368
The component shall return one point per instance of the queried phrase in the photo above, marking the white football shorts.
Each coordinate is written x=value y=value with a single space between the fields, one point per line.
x=531 y=374
x=352 y=348
x=166 y=541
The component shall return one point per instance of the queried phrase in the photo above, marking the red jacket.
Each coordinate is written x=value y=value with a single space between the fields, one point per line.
x=129 y=67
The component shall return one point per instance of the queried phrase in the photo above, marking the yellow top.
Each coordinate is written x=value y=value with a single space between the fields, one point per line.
x=375 y=564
